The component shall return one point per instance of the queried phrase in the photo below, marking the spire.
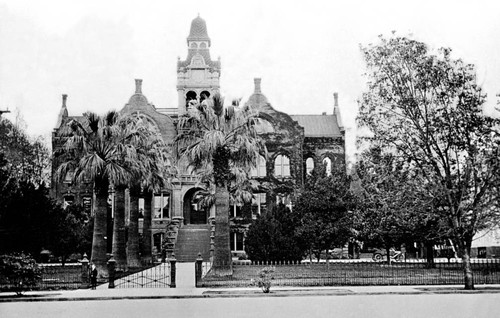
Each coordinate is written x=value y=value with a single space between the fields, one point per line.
x=198 y=31
x=63 y=113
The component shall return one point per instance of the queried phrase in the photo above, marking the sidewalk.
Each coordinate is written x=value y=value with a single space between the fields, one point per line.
x=177 y=293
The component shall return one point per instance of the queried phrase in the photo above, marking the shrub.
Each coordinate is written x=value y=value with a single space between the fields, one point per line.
x=265 y=277
x=19 y=272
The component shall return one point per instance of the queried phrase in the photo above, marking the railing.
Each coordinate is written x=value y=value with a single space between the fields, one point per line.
x=352 y=273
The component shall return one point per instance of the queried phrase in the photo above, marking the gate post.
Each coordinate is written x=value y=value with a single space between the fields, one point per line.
x=172 y=271
x=198 y=270
x=85 y=272
x=111 y=272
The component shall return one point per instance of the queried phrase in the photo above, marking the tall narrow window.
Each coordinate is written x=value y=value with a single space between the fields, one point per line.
x=237 y=242
x=309 y=165
x=161 y=206
x=282 y=166
x=258 y=204
x=328 y=166
x=141 y=208
x=260 y=170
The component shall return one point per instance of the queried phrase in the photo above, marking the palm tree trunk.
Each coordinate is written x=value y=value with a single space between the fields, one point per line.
x=146 y=229
x=119 y=239
x=222 y=253
x=99 y=257
x=133 y=259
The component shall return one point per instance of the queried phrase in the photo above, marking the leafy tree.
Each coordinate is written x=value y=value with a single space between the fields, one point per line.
x=272 y=237
x=103 y=150
x=394 y=205
x=28 y=158
x=324 y=209
x=427 y=106
x=219 y=143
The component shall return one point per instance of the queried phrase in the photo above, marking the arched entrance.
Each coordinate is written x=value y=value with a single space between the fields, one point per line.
x=194 y=213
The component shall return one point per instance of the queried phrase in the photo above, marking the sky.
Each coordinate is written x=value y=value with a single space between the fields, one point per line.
x=304 y=51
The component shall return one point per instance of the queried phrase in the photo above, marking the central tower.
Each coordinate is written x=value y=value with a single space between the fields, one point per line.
x=197 y=76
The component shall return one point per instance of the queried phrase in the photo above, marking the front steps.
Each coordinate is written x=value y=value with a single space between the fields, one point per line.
x=191 y=240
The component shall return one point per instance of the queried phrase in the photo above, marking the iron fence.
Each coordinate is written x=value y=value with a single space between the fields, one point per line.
x=157 y=276
x=354 y=273
x=51 y=276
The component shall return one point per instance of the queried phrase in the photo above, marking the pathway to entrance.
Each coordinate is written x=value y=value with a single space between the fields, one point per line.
x=185 y=275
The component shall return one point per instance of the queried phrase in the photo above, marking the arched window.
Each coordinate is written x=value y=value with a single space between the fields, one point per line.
x=194 y=45
x=260 y=169
x=190 y=96
x=282 y=166
x=204 y=95
x=203 y=45
x=262 y=126
x=309 y=165
x=328 y=166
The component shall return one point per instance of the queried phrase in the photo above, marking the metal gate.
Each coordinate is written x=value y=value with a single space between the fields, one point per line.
x=155 y=277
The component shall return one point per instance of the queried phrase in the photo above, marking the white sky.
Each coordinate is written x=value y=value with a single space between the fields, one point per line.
x=303 y=50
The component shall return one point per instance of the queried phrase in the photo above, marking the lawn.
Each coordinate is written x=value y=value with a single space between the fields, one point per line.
x=356 y=273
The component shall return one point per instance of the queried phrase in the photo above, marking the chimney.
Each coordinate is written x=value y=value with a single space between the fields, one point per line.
x=138 y=86
x=336 y=99
x=257 y=85
x=64 y=98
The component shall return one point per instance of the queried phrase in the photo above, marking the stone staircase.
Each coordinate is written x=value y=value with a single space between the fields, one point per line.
x=191 y=240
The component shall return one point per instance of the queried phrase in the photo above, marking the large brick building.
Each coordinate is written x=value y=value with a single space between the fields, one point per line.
x=295 y=144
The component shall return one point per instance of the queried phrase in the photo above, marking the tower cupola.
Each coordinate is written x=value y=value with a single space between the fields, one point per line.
x=198 y=31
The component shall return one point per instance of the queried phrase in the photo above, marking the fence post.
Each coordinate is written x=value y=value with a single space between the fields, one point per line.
x=198 y=269
x=172 y=271
x=111 y=272
x=85 y=272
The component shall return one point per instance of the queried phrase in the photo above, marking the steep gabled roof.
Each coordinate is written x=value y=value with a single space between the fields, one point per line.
x=318 y=125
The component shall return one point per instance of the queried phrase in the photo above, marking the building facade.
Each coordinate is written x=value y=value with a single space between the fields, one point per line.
x=295 y=144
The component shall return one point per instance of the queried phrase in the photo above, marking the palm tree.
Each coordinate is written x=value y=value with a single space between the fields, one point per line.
x=119 y=236
x=221 y=142
x=101 y=150
x=133 y=259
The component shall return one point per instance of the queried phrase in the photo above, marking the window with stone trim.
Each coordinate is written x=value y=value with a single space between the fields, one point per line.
x=237 y=241
x=281 y=166
x=161 y=205
x=328 y=166
x=309 y=165
x=258 y=204
x=260 y=170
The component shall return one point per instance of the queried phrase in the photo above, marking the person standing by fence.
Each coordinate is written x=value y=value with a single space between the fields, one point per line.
x=93 y=276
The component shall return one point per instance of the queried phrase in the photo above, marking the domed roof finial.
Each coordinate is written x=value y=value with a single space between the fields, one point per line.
x=138 y=86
